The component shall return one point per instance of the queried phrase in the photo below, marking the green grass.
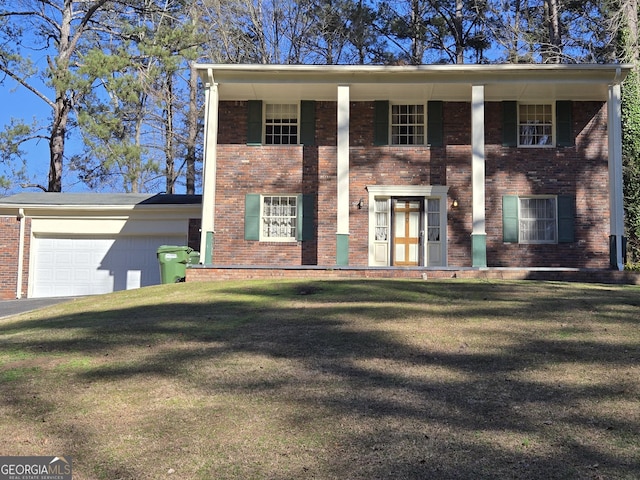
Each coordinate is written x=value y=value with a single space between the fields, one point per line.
x=356 y=379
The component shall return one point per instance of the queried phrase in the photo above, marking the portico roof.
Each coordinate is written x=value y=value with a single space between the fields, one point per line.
x=523 y=82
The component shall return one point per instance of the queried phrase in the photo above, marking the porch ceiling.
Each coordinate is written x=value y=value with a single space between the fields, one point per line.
x=408 y=83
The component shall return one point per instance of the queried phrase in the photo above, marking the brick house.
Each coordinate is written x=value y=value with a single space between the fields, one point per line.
x=432 y=166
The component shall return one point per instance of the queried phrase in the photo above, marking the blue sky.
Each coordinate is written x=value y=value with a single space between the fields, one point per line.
x=19 y=103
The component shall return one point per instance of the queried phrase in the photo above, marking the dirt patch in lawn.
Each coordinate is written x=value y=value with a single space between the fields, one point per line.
x=330 y=380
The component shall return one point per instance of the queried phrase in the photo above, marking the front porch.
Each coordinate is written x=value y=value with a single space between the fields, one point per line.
x=203 y=273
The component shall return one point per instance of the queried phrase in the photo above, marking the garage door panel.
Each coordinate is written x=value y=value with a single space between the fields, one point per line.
x=84 y=266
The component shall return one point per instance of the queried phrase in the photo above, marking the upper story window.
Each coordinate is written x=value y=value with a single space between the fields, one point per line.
x=281 y=124
x=407 y=124
x=535 y=125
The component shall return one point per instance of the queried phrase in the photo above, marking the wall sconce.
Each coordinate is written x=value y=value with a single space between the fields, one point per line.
x=359 y=203
x=455 y=203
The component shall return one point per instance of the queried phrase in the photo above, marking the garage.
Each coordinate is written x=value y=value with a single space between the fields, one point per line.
x=67 y=267
x=76 y=244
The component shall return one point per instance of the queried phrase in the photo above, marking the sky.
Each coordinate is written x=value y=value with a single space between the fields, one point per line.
x=19 y=103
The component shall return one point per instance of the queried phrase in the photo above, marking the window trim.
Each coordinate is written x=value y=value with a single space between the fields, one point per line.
x=264 y=123
x=554 y=135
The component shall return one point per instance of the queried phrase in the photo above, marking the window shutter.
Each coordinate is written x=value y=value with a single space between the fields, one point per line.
x=254 y=122
x=307 y=122
x=510 y=124
x=435 y=127
x=252 y=217
x=566 y=219
x=381 y=123
x=564 y=124
x=305 y=217
x=510 y=226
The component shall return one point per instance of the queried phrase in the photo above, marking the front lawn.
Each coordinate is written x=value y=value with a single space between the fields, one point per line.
x=337 y=379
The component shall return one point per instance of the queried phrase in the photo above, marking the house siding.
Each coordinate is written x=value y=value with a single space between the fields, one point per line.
x=580 y=171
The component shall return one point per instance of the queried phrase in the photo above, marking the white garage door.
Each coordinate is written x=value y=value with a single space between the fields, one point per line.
x=65 y=267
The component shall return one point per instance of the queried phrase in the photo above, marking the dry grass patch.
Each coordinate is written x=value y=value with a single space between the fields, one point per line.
x=330 y=379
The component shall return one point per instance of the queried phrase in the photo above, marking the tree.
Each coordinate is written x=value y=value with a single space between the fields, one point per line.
x=624 y=24
x=450 y=31
x=55 y=28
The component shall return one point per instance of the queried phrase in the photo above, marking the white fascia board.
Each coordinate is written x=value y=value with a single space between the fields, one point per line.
x=468 y=74
x=280 y=83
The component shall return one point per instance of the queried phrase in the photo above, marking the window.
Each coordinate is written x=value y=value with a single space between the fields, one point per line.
x=407 y=124
x=279 y=218
x=281 y=124
x=538 y=220
x=535 y=125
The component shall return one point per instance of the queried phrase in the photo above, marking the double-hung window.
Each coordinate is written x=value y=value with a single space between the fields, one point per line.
x=279 y=217
x=281 y=124
x=407 y=124
x=535 y=124
x=538 y=219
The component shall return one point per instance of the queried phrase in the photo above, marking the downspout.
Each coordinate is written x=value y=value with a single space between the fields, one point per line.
x=21 y=219
x=616 y=198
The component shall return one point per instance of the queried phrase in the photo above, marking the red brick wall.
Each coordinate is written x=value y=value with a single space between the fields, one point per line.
x=9 y=246
x=580 y=171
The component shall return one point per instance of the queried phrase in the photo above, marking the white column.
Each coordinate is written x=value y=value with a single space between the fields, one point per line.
x=209 y=169
x=616 y=205
x=478 y=234
x=342 y=231
x=343 y=160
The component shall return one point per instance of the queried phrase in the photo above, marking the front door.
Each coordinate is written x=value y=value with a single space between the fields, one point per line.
x=407 y=232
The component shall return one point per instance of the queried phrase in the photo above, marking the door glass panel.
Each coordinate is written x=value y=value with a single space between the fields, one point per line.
x=433 y=220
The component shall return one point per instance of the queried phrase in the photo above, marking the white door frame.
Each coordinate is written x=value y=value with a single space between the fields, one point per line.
x=425 y=191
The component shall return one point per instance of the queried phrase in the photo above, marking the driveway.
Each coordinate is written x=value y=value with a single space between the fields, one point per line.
x=14 y=307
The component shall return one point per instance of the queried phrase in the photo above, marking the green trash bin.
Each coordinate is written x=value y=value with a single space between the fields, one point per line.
x=173 y=262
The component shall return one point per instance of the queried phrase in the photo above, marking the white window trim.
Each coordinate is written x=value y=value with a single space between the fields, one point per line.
x=264 y=123
x=537 y=242
x=424 y=124
x=263 y=238
x=553 y=124
x=425 y=191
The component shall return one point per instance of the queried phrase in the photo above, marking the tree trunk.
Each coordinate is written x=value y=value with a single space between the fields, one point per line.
x=56 y=143
x=193 y=130
x=168 y=138
x=552 y=17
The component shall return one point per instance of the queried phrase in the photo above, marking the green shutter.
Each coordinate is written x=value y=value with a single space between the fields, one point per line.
x=564 y=124
x=510 y=219
x=305 y=217
x=435 y=128
x=381 y=123
x=510 y=124
x=566 y=219
x=307 y=122
x=254 y=122
x=252 y=217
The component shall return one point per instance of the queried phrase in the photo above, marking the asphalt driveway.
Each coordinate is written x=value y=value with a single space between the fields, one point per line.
x=14 y=307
